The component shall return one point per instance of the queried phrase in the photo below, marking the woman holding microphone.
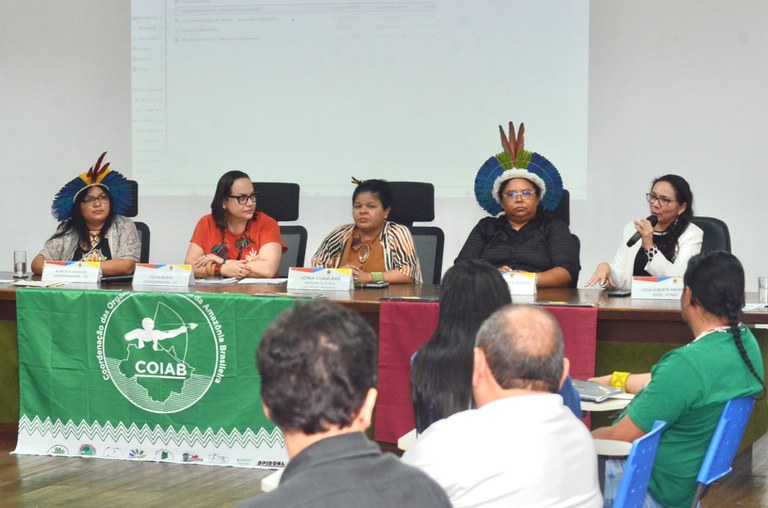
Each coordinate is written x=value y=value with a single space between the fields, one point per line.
x=659 y=246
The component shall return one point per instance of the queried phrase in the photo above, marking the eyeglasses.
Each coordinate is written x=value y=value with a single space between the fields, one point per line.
x=244 y=198
x=526 y=194
x=103 y=198
x=663 y=201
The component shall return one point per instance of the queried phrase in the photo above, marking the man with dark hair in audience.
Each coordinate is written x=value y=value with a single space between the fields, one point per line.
x=317 y=383
x=521 y=447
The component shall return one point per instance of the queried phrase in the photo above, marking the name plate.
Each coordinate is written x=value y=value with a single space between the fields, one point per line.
x=163 y=275
x=88 y=272
x=657 y=288
x=521 y=283
x=320 y=279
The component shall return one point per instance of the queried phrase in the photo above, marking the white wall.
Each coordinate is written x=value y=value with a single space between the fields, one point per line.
x=65 y=96
x=677 y=87
x=674 y=87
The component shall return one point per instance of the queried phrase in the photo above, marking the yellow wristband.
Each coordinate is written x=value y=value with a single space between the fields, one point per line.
x=619 y=380
x=377 y=276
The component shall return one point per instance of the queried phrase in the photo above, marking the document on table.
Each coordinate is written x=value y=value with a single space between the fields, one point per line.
x=39 y=283
x=227 y=280
x=249 y=280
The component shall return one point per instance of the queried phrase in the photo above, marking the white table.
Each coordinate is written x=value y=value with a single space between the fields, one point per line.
x=270 y=482
x=407 y=440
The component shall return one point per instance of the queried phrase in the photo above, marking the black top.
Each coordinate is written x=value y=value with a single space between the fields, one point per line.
x=660 y=240
x=350 y=471
x=101 y=250
x=542 y=244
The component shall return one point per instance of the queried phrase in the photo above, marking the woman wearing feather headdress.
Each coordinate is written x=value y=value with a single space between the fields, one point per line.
x=375 y=249
x=92 y=227
x=524 y=186
x=668 y=238
x=236 y=239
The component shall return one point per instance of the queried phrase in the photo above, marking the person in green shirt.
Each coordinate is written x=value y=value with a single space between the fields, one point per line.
x=689 y=386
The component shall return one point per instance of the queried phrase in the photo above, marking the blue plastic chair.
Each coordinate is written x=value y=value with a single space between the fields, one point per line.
x=725 y=442
x=638 y=468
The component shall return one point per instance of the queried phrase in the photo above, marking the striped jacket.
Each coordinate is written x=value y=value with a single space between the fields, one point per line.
x=399 y=251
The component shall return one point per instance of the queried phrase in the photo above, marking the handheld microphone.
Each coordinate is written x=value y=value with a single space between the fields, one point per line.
x=634 y=238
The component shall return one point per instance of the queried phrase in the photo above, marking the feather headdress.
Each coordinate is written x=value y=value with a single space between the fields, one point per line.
x=118 y=186
x=516 y=162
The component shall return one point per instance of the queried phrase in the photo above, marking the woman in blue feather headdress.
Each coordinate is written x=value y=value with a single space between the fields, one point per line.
x=91 y=226
x=524 y=186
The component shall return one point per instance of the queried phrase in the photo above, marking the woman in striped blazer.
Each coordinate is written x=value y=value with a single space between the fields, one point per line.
x=376 y=250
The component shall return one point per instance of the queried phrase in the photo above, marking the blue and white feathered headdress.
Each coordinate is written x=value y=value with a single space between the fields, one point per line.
x=515 y=162
x=118 y=186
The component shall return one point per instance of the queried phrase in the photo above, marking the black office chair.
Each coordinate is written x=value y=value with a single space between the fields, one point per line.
x=716 y=234
x=141 y=227
x=411 y=202
x=415 y=201
x=429 y=242
x=281 y=202
x=563 y=211
x=575 y=282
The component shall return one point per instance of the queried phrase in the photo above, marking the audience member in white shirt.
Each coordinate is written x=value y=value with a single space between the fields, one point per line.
x=521 y=447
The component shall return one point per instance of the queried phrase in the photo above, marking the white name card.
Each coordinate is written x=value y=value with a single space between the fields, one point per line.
x=520 y=283
x=147 y=274
x=657 y=288
x=320 y=279
x=88 y=272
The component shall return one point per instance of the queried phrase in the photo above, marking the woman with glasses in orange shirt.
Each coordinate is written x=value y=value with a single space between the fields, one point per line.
x=665 y=247
x=235 y=239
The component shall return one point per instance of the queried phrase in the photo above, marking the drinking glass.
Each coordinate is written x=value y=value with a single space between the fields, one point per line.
x=19 y=264
x=762 y=289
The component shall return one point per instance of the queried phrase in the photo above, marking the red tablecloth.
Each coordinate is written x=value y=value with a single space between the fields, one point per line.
x=405 y=326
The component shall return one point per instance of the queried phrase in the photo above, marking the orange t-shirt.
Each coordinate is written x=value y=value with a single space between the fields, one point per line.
x=261 y=230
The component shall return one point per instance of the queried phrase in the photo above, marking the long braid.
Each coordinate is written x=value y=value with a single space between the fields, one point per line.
x=716 y=282
x=733 y=322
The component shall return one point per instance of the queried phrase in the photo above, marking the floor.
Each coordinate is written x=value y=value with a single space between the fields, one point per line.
x=35 y=481
x=747 y=485
x=42 y=481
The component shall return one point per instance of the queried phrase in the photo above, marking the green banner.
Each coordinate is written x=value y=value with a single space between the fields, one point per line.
x=153 y=376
